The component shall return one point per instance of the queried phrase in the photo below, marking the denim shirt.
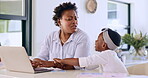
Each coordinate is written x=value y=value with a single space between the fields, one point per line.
x=78 y=45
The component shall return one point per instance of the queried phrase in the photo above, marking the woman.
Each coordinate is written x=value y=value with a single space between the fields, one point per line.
x=68 y=42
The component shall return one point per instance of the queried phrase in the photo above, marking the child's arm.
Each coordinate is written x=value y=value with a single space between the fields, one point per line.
x=69 y=61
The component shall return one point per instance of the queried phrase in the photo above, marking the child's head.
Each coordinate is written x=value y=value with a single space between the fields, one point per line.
x=107 y=39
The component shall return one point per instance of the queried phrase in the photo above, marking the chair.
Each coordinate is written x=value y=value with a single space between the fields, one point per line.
x=140 y=69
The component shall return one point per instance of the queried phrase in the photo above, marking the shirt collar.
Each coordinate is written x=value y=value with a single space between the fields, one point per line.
x=57 y=39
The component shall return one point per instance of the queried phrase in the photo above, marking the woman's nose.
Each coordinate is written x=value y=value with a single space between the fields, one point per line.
x=75 y=22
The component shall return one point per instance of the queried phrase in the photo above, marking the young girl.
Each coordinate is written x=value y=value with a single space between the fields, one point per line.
x=107 y=41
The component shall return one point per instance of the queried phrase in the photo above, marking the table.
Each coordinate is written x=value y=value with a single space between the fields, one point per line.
x=135 y=62
x=65 y=74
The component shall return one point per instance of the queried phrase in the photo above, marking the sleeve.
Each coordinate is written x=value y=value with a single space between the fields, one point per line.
x=83 y=47
x=94 y=60
x=44 y=51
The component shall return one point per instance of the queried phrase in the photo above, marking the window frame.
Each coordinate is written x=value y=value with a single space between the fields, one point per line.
x=26 y=25
x=129 y=20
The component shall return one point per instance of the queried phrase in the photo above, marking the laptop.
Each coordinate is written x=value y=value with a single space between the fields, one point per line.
x=16 y=59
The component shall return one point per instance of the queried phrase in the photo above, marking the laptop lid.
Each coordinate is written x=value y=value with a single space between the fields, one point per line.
x=16 y=59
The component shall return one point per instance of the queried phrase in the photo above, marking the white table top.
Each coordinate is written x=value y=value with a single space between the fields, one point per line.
x=65 y=74
x=135 y=62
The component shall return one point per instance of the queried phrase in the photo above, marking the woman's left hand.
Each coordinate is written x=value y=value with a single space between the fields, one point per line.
x=67 y=67
x=63 y=66
x=46 y=63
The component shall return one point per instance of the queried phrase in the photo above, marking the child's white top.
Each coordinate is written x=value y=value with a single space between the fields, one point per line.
x=107 y=59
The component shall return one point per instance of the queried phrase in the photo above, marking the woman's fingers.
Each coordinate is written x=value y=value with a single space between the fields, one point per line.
x=34 y=64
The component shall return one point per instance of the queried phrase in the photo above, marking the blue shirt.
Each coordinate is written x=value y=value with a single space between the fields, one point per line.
x=76 y=46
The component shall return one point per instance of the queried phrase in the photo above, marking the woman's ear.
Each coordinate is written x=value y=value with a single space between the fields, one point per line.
x=59 y=22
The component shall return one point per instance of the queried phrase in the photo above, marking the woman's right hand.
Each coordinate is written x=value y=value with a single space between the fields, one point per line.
x=43 y=63
x=35 y=62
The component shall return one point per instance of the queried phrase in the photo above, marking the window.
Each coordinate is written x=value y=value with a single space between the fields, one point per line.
x=11 y=32
x=112 y=11
x=15 y=23
x=16 y=7
x=119 y=18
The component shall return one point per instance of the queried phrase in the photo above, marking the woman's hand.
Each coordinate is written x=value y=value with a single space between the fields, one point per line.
x=67 y=67
x=41 y=63
x=57 y=60
x=59 y=64
x=35 y=62
x=46 y=63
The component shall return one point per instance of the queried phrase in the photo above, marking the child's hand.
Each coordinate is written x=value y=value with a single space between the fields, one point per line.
x=59 y=63
x=57 y=60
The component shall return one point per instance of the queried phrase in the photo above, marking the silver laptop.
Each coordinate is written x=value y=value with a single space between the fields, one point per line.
x=16 y=59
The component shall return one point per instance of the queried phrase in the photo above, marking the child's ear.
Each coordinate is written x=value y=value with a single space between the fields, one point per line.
x=104 y=45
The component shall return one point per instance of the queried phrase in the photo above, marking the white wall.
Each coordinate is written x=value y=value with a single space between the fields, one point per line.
x=43 y=23
x=139 y=15
x=90 y=23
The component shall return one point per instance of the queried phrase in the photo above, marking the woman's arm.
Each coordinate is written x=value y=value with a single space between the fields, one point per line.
x=42 y=63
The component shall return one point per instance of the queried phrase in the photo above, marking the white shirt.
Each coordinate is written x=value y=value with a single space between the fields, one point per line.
x=76 y=46
x=107 y=59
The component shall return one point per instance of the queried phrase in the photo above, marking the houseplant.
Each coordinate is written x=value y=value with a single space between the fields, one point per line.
x=138 y=41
